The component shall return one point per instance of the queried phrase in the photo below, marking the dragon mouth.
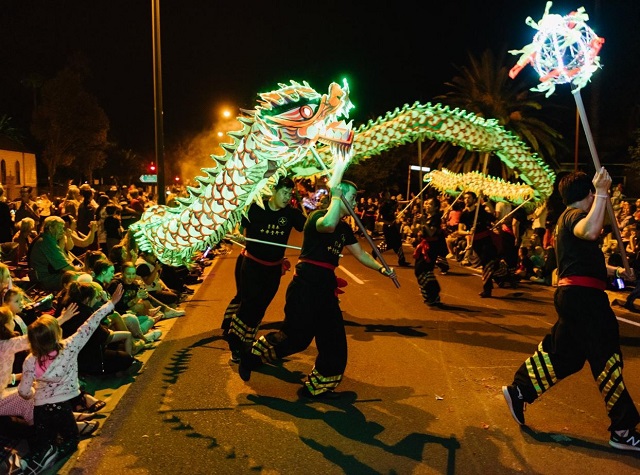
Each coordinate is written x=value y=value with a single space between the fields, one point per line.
x=339 y=137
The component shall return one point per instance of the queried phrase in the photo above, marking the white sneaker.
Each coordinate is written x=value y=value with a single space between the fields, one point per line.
x=153 y=335
x=174 y=312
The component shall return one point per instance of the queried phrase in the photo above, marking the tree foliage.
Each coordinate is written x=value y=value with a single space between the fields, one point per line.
x=8 y=130
x=634 y=151
x=69 y=123
x=485 y=88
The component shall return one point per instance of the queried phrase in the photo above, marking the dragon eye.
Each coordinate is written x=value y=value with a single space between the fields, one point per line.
x=306 y=111
x=303 y=112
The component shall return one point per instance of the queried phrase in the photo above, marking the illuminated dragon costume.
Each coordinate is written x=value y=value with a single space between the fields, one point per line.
x=280 y=137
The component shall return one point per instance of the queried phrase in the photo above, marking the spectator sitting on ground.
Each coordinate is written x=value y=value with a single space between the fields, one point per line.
x=524 y=268
x=46 y=259
x=90 y=259
x=148 y=268
x=24 y=237
x=136 y=298
x=140 y=326
x=98 y=356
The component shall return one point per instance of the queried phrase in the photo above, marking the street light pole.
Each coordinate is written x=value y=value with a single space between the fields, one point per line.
x=157 y=99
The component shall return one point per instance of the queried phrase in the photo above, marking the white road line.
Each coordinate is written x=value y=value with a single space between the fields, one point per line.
x=357 y=281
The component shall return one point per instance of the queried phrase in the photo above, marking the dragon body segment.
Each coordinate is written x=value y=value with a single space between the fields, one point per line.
x=459 y=127
x=277 y=139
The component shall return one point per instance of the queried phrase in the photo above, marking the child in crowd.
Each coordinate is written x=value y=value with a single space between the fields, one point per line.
x=14 y=302
x=53 y=367
x=136 y=298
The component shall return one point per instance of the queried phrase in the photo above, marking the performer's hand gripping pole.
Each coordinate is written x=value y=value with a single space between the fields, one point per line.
x=596 y=161
x=356 y=218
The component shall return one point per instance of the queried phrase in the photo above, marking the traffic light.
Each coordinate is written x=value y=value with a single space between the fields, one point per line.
x=152 y=168
x=177 y=179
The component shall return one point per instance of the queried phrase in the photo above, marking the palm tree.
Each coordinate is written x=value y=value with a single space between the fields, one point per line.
x=8 y=130
x=484 y=88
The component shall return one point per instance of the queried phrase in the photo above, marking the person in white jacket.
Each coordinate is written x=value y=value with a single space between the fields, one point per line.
x=53 y=367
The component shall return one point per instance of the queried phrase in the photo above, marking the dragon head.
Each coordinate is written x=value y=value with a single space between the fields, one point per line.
x=294 y=118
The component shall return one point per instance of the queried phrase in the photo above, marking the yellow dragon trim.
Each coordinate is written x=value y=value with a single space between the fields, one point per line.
x=276 y=140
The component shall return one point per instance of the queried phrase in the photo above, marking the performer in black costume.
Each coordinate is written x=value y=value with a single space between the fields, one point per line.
x=261 y=265
x=312 y=308
x=391 y=229
x=587 y=329
x=431 y=248
x=482 y=243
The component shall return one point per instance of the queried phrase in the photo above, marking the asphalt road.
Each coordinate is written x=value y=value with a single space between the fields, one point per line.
x=424 y=391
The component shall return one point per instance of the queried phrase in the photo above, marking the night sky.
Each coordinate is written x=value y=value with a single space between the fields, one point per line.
x=219 y=53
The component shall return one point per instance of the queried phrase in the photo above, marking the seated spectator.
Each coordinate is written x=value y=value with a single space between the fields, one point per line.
x=524 y=267
x=74 y=241
x=24 y=237
x=46 y=259
x=100 y=355
x=90 y=259
x=6 y=282
x=148 y=268
x=537 y=258
x=14 y=302
x=138 y=325
x=137 y=297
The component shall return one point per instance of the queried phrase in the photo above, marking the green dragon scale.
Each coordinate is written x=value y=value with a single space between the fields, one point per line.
x=277 y=140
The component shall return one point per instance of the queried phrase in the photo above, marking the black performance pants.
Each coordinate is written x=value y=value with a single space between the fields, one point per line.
x=259 y=285
x=311 y=311
x=586 y=330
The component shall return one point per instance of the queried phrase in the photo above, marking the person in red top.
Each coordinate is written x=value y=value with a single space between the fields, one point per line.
x=587 y=329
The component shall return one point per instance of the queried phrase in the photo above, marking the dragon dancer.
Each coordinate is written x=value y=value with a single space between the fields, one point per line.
x=312 y=307
x=260 y=265
x=431 y=248
x=587 y=329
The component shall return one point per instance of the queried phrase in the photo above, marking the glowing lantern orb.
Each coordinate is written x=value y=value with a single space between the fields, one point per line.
x=564 y=50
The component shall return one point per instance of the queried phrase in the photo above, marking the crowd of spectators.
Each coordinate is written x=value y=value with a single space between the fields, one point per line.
x=76 y=252
x=531 y=228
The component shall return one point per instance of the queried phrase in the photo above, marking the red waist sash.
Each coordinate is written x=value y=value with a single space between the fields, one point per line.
x=246 y=254
x=582 y=281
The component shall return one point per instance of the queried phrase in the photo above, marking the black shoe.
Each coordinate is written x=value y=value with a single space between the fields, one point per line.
x=630 y=441
x=434 y=303
x=484 y=294
x=404 y=264
x=235 y=356
x=515 y=402
x=248 y=362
